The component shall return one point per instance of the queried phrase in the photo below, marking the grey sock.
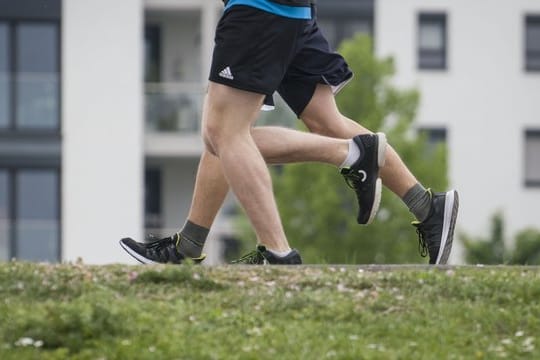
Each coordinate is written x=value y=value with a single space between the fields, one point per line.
x=418 y=200
x=193 y=239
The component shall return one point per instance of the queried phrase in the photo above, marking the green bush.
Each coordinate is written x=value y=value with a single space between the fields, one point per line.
x=494 y=249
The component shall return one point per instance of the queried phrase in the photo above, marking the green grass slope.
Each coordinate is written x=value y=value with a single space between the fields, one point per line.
x=322 y=312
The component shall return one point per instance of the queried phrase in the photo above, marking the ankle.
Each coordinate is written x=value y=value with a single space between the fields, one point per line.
x=418 y=200
x=353 y=155
x=192 y=239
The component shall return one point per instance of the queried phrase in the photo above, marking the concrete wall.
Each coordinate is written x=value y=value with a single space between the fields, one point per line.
x=485 y=98
x=102 y=106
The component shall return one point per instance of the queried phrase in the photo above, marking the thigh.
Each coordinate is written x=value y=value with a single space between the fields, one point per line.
x=323 y=117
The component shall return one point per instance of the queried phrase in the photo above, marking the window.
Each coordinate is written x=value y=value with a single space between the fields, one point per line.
x=532 y=158
x=152 y=53
x=152 y=198
x=337 y=29
x=5 y=81
x=36 y=218
x=29 y=214
x=432 y=41
x=532 y=43
x=30 y=140
x=37 y=76
x=436 y=136
x=29 y=75
x=4 y=216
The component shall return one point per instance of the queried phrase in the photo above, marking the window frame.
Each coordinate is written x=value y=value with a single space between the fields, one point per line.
x=439 y=18
x=530 y=19
x=529 y=133
x=12 y=25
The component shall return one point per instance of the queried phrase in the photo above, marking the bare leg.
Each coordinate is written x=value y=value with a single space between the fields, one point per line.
x=322 y=116
x=210 y=191
x=227 y=119
x=277 y=145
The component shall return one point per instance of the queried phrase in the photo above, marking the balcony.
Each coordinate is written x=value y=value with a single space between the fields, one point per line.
x=173 y=116
x=173 y=107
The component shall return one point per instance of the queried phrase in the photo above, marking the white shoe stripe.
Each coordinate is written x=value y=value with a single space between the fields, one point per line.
x=447 y=220
x=136 y=255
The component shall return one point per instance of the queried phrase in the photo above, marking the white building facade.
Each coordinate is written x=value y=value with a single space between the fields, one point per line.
x=477 y=66
x=100 y=107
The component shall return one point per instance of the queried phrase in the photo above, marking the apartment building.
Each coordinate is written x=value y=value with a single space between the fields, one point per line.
x=477 y=66
x=100 y=104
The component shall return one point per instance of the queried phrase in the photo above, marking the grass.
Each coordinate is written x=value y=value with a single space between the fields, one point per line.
x=322 y=312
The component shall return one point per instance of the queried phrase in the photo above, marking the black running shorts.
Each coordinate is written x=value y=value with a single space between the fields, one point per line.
x=261 y=52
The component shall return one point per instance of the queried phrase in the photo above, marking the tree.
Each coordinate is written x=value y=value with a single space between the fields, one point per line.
x=527 y=248
x=489 y=250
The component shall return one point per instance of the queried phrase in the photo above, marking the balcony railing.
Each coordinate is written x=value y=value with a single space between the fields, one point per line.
x=173 y=107
x=177 y=107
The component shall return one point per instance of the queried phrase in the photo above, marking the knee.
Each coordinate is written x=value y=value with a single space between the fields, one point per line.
x=211 y=136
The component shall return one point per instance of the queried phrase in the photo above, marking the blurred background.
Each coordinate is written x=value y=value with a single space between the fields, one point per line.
x=100 y=105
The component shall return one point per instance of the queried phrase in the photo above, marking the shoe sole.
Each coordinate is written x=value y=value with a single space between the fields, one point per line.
x=136 y=255
x=451 y=206
x=381 y=159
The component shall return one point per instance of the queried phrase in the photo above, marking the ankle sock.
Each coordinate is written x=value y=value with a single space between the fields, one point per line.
x=193 y=239
x=280 y=254
x=352 y=156
x=418 y=200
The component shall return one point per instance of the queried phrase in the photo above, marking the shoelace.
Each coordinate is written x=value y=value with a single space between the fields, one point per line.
x=352 y=179
x=159 y=245
x=253 y=257
x=422 y=245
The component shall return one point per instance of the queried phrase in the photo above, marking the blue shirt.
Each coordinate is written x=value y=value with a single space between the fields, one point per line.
x=293 y=12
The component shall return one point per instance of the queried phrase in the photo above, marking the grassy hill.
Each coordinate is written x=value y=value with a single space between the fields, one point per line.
x=312 y=312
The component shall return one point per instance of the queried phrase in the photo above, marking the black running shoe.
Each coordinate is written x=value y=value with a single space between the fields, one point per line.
x=163 y=251
x=363 y=175
x=261 y=256
x=435 y=234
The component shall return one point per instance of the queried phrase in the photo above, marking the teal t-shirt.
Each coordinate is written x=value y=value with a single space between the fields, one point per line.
x=298 y=9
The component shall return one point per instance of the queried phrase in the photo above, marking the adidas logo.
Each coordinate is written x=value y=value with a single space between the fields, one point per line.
x=226 y=73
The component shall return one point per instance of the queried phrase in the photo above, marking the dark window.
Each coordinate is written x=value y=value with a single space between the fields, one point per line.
x=37 y=227
x=152 y=198
x=532 y=158
x=337 y=29
x=4 y=215
x=29 y=75
x=30 y=130
x=432 y=41
x=435 y=136
x=30 y=214
x=5 y=76
x=37 y=76
x=532 y=43
x=152 y=53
